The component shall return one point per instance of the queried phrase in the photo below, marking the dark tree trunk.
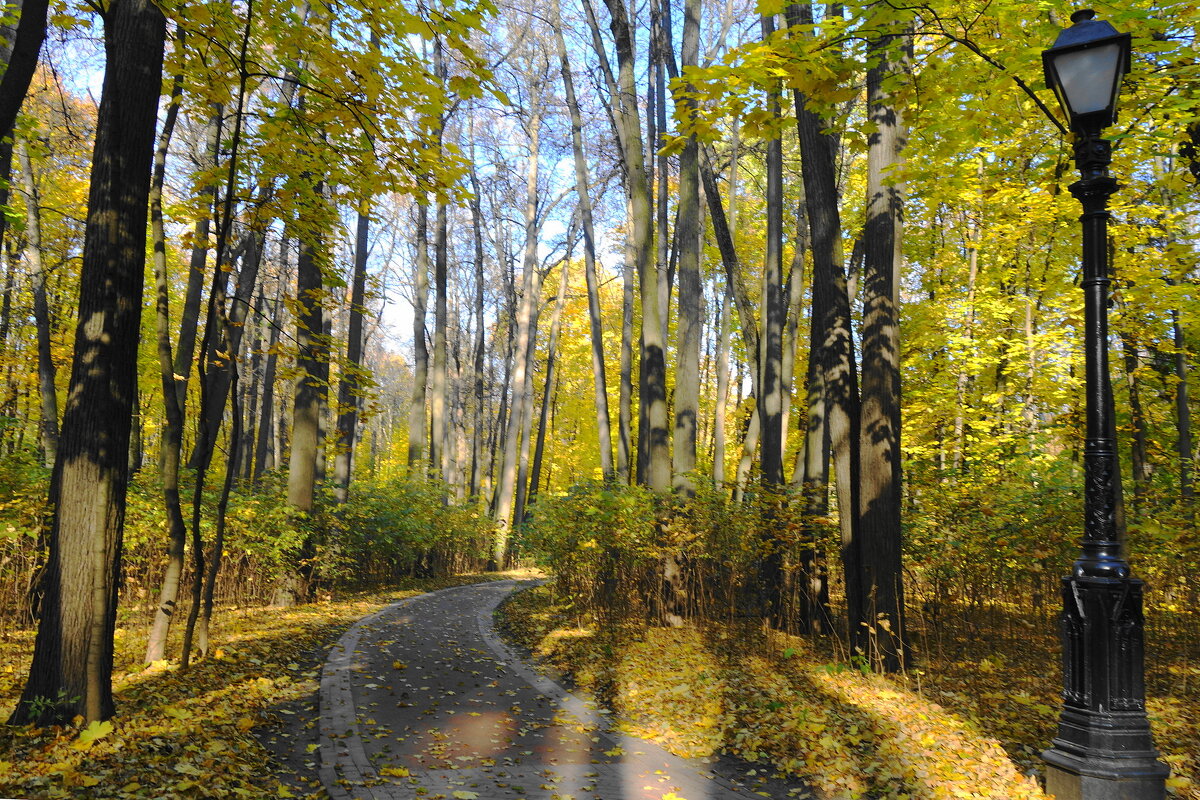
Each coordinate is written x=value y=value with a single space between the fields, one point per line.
x=833 y=383
x=71 y=673
x=20 y=48
x=350 y=389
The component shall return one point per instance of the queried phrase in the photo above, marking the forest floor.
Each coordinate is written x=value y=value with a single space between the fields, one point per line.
x=971 y=721
x=774 y=712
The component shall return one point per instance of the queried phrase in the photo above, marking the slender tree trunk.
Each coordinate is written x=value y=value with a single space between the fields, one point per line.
x=250 y=426
x=551 y=379
x=197 y=271
x=48 y=424
x=722 y=403
x=416 y=414
x=349 y=388
x=266 y=430
x=1137 y=445
x=770 y=395
x=1183 y=425
x=438 y=457
x=477 y=436
x=172 y=434
x=880 y=497
x=531 y=286
x=71 y=672
x=214 y=560
x=963 y=379
x=600 y=382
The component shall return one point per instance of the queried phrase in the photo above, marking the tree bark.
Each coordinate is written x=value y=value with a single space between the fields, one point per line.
x=71 y=672
x=349 y=387
x=506 y=487
x=883 y=638
x=48 y=423
x=172 y=434
x=833 y=384
x=687 y=369
x=639 y=246
x=20 y=47
x=600 y=381
x=416 y=414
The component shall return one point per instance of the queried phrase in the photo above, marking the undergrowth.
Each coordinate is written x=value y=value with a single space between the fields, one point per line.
x=186 y=734
x=957 y=727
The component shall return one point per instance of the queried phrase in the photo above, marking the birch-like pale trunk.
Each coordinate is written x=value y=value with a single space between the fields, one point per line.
x=600 y=381
x=640 y=245
x=531 y=288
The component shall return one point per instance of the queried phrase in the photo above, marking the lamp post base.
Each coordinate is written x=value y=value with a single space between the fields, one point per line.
x=1103 y=750
x=1069 y=783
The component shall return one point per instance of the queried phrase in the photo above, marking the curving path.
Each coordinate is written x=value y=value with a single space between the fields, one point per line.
x=422 y=700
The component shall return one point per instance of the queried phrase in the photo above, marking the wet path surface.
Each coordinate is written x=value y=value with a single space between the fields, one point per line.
x=423 y=700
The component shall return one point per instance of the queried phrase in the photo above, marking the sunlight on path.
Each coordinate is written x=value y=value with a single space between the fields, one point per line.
x=422 y=699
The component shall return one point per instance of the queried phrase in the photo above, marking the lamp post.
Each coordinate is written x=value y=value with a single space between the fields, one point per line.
x=1103 y=750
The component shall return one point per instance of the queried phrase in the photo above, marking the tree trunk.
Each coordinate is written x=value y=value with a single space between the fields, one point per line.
x=687 y=369
x=197 y=269
x=551 y=378
x=306 y=408
x=722 y=404
x=20 y=47
x=477 y=437
x=48 y=424
x=600 y=382
x=349 y=388
x=639 y=246
x=172 y=434
x=883 y=638
x=522 y=347
x=1183 y=425
x=266 y=430
x=416 y=414
x=71 y=672
x=831 y=339
x=1138 y=458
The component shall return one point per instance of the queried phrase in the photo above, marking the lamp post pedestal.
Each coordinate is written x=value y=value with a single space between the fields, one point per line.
x=1103 y=750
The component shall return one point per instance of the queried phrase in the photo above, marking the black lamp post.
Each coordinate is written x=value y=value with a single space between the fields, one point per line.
x=1103 y=750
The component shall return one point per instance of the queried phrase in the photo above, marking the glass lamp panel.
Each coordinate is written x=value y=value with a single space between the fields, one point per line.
x=1087 y=77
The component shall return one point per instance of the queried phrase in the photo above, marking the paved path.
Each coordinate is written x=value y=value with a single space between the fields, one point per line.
x=422 y=699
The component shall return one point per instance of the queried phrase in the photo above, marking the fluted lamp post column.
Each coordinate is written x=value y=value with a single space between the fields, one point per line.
x=1103 y=750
